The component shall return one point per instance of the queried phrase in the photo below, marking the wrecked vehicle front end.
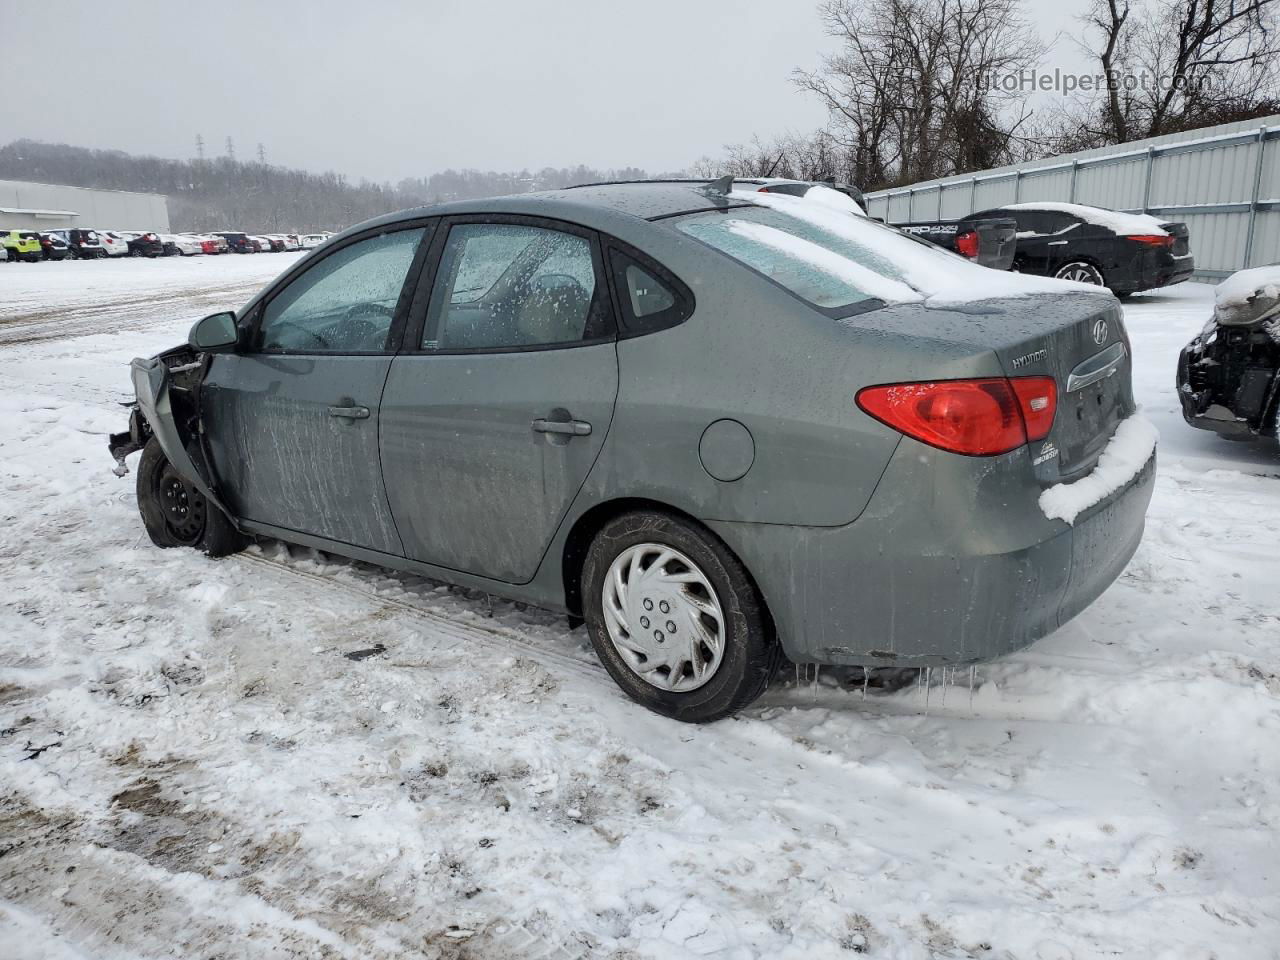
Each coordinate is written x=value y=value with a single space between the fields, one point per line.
x=183 y=367
x=1229 y=375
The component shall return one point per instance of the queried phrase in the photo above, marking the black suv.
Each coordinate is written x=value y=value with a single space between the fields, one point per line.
x=238 y=242
x=54 y=247
x=144 y=244
x=1122 y=251
x=84 y=244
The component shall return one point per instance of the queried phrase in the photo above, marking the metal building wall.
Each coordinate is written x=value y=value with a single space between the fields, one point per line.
x=58 y=207
x=1223 y=182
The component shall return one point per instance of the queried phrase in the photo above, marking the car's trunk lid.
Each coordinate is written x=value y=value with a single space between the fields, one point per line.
x=1077 y=338
x=1086 y=351
x=1181 y=237
x=1088 y=357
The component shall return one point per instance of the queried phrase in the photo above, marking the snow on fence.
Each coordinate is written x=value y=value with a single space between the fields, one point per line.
x=1223 y=182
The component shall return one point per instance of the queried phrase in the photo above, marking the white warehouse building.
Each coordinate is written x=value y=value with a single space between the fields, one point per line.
x=47 y=206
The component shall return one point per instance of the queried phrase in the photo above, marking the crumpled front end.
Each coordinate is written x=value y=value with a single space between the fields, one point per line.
x=183 y=366
x=1229 y=379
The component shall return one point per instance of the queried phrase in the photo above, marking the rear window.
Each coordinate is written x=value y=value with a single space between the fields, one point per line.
x=837 y=274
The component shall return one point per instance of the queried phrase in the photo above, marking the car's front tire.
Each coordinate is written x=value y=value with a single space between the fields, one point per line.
x=176 y=514
x=675 y=618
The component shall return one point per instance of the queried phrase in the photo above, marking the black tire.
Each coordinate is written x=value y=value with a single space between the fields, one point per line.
x=752 y=653
x=176 y=514
x=1082 y=271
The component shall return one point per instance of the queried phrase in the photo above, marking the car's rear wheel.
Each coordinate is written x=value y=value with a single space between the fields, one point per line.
x=176 y=514
x=675 y=618
x=1081 y=271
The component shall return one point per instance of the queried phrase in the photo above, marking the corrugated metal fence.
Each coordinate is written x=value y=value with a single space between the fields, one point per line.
x=1223 y=182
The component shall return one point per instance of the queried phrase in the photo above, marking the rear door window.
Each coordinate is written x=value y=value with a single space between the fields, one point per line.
x=514 y=286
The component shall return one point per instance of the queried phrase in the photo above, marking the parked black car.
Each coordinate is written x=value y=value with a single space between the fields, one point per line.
x=238 y=242
x=54 y=247
x=1229 y=375
x=144 y=244
x=1125 y=252
x=83 y=244
x=990 y=241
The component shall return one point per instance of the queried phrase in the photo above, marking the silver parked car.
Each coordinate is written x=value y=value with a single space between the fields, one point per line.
x=720 y=432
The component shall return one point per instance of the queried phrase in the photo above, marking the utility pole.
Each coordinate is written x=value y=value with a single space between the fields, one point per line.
x=231 y=149
x=262 y=154
x=199 y=148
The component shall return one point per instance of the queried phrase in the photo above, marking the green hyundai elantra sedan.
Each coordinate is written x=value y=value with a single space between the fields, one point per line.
x=725 y=428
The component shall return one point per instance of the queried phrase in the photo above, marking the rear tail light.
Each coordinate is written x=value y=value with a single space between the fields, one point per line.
x=1153 y=240
x=1038 y=401
x=967 y=244
x=979 y=418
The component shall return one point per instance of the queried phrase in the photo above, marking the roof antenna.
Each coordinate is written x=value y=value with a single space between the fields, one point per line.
x=774 y=166
x=721 y=186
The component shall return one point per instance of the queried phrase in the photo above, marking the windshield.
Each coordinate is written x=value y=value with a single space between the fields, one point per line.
x=833 y=272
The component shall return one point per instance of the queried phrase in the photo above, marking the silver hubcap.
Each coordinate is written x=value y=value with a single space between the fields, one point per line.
x=663 y=617
x=1081 y=274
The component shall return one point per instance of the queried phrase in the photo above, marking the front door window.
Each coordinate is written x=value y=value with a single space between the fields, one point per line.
x=345 y=303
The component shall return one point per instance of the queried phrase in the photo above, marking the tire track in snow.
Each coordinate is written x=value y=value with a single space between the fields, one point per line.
x=494 y=638
x=114 y=316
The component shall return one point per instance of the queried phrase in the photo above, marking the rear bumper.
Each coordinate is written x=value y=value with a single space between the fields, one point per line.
x=932 y=574
x=1152 y=270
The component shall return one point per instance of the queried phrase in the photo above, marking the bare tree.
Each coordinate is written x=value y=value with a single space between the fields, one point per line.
x=910 y=92
x=1173 y=65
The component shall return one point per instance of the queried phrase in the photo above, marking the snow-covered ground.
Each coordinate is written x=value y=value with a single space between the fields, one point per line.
x=284 y=755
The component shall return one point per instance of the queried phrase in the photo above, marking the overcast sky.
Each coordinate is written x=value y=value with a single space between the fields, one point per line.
x=386 y=89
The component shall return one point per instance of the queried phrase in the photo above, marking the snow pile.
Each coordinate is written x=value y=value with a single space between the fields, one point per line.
x=1124 y=457
x=1248 y=297
x=835 y=200
x=1245 y=285
x=1124 y=224
x=826 y=261
x=941 y=277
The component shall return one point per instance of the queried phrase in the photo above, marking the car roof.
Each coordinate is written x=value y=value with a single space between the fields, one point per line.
x=597 y=205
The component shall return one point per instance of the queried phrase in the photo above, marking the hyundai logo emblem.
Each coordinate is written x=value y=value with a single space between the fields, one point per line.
x=1100 y=332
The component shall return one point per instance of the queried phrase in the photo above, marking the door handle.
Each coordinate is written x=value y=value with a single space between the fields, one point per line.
x=353 y=412
x=572 y=428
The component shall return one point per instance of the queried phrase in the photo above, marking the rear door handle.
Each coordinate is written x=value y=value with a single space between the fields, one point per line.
x=572 y=428
x=353 y=412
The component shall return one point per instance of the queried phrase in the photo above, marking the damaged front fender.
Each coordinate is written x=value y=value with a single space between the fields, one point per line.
x=151 y=385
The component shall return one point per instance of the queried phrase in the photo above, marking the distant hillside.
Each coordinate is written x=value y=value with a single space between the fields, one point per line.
x=222 y=193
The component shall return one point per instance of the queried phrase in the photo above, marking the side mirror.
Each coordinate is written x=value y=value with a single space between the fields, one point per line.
x=216 y=333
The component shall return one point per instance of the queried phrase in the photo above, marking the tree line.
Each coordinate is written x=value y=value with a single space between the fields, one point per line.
x=223 y=193
x=916 y=90
x=921 y=89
